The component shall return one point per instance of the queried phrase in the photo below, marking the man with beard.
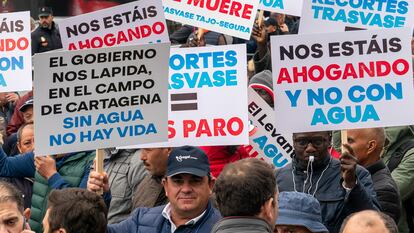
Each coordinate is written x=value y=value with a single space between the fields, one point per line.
x=46 y=37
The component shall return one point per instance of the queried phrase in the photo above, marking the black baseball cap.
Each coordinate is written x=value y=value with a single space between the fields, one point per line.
x=28 y=103
x=189 y=160
x=45 y=11
x=270 y=21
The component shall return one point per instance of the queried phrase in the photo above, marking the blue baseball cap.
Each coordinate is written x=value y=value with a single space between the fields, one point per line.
x=189 y=160
x=26 y=105
x=300 y=209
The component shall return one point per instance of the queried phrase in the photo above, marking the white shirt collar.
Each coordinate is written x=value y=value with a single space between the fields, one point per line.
x=166 y=212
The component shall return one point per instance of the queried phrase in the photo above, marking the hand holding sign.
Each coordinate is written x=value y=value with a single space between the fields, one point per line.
x=98 y=181
x=348 y=166
x=46 y=166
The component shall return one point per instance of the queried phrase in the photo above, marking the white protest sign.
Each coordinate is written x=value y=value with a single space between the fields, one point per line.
x=289 y=7
x=265 y=140
x=347 y=80
x=321 y=16
x=99 y=98
x=231 y=17
x=207 y=97
x=138 y=22
x=15 y=52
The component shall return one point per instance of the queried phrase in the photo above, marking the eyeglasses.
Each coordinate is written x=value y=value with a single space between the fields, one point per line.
x=304 y=142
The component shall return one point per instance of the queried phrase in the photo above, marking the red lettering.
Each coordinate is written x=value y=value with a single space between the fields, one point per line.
x=219 y=124
x=224 y=7
x=349 y=71
x=72 y=46
x=333 y=72
x=247 y=12
x=319 y=72
x=145 y=31
x=383 y=68
x=363 y=68
x=405 y=69
x=235 y=121
x=188 y=126
x=203 y=128
x=284 y=76
x=171 y=130
x=297 y=74
x=160 y=29
x=235 y=8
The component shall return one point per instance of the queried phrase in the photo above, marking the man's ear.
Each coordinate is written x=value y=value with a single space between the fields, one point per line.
x=211 y=184
x=164 y=184
x=372 y=146
x=26 y=213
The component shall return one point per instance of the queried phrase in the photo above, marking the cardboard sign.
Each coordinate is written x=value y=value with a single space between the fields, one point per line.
x=321 y=16
x=138 y=22
x=289 y=7
x=265 y=141
x=100 y=98
x=358 y=79
x=231 y=17
x=207 y=97
x=15 y=52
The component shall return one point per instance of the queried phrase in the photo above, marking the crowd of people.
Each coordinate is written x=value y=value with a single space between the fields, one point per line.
x=364 y=184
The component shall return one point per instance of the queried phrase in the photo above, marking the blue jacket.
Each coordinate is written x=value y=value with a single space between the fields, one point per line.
x=150 y=220
x=336 y=202
x=23 y=166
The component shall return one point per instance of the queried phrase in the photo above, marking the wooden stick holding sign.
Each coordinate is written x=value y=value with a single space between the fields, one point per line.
x=260 y=18
x=99 y=165
x=344 y=139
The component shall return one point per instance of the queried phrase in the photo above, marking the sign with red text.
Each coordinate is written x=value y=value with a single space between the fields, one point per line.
x=231 y=17
x=15 y=52
x=321 y=16
x=207 y=97
x=289 y=7
x=358 y=79
x=265 y=141
x=99 y=98
x=138 y=22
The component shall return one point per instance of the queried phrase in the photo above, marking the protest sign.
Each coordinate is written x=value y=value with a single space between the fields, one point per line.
x=138 y=22
x=15 y=52
x=207 y=97
x=289 y=7
x=321 y=16
x=100 y=98
x=231 y=17
x=265 y=141
x=358 y=79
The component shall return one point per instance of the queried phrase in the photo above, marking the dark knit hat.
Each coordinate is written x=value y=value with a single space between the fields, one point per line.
x=263 y=80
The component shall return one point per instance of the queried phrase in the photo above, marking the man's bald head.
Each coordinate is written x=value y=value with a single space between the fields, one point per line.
x=369 y=221
x=367 y=144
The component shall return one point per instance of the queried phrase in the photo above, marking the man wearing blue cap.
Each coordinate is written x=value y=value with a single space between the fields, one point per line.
x=46 y=37
x=299 y=213
x=188 y=187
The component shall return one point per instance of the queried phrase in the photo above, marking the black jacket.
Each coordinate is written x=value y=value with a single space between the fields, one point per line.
x=45 y=39
x=336 y=202
x=386 y=189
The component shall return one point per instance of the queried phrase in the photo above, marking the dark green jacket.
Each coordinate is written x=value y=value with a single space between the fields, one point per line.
x=404 y=173
x=72 y=170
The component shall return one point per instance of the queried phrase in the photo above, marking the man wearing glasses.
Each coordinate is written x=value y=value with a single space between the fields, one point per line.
x=341 y=186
